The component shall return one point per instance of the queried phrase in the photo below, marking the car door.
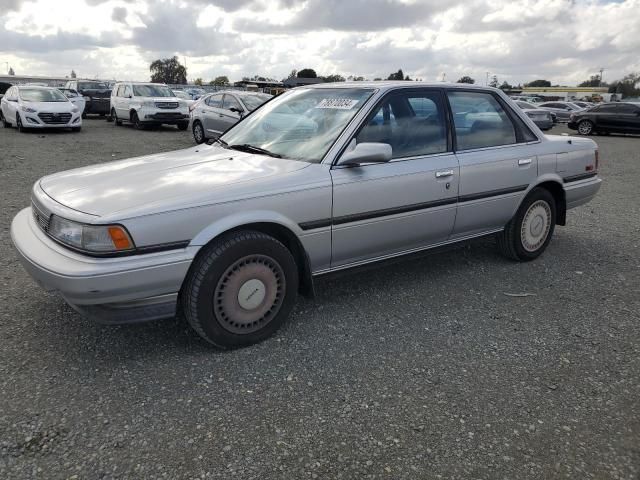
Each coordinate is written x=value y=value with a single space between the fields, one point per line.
x=11 y=105
x=497 y=157
x=210 y=112
x=604 y=116
x=124 y=101
x=385 y=209
x=231 y=111
x=627 y=118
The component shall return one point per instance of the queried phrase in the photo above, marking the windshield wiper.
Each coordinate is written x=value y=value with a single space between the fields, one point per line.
x=245 y=147
x=211 y=141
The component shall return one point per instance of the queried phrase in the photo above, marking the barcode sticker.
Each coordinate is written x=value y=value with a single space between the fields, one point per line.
x=337 y=103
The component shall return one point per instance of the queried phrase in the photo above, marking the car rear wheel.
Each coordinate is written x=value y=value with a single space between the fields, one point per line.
x=585 y=127
x=529 y=232
x=114 y=115
x=198 y=132
x=5 y=124
x=240 y=289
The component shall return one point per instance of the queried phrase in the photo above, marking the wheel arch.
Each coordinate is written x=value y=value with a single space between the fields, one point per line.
x=555 y=187
x=281 y=229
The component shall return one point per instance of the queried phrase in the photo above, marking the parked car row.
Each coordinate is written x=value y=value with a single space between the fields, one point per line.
x=618 y=117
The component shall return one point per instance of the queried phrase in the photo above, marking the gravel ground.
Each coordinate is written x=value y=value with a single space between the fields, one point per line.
x=418 y=369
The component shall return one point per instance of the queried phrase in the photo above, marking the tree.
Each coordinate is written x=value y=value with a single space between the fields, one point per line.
x=594 y=81
x=466 y=79
x=377 y=79
x=494 y=81
x=333 y=78
x=220 y=81
x=307 y=73
x=168 y=70
x=505 y=86
x=399 y=75
x=293 y=74
x=538 y=83
x=627 y=86
x=73 y=74
x=11 y=72
x=198 y=81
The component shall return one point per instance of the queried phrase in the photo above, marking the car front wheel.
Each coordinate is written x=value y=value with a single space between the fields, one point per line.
x=529 y=232
x=114 y=115
x=198 y=132
x=585 y=127
x=240 y=289
x=19 y=125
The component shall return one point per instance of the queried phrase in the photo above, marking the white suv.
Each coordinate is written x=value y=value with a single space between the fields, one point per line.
x=147 y=104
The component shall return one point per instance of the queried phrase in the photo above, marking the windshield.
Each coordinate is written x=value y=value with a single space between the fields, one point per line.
x=92 y=86
x=152 y=91
x=254 y=101
x=41 y=95
x=180 y=94
x=301 y=124
x=526 y=105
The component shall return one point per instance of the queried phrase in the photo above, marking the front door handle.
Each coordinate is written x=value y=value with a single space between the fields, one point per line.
x=444 y=174
x=524 y=161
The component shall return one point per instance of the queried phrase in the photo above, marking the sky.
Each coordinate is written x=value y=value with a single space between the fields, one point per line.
x=564 y=41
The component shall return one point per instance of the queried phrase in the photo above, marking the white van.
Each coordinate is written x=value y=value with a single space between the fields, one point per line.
x=147 y=104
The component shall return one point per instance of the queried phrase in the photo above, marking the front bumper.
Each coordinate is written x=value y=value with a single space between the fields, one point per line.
x=166 y=116
x=31 y=120
x=115 y=290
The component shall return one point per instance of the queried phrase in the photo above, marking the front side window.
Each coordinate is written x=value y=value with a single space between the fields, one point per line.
x=301 y=124
x=480 y=121
x=41 y=95
x=127 y=91
x=254 y=101
x=215 y=101
x=152 y=91
x=92 y=86
x=414 y=124
x=230 y=102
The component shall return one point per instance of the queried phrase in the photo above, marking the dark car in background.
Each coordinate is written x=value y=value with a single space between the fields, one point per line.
x=97 y=95
x=619 y=117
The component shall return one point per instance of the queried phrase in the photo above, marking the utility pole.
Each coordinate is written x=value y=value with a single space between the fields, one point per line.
x=600 y=82
x=486 y=82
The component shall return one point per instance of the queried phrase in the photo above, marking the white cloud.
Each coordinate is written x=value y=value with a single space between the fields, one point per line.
x=564 y=41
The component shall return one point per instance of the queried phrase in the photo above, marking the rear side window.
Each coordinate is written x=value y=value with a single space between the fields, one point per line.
x=605 y=109
x=622 y=108
x=480 y=121
x=413 y=123
x=127 y=91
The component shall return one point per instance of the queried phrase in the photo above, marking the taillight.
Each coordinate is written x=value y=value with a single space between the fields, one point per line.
x=597 y=160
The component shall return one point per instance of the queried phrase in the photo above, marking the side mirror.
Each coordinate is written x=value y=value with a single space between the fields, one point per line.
x=367 y=153
x=236 y=110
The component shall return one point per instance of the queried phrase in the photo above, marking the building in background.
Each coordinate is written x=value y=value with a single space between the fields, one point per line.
x=570 y=93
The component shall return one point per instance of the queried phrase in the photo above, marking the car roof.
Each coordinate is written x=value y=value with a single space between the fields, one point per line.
x=394 y=84
x=41 y=87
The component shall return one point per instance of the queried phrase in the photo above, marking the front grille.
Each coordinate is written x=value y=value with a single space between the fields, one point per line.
x=168 y=116
x=55 y=118
x=41 y=219
x=167 y=104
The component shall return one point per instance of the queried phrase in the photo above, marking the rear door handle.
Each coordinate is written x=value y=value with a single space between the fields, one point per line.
x=444 y=174
x=524 y=161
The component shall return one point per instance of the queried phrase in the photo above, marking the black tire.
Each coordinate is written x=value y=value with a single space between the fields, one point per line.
x=84 y=115
x=114 y=115
x=5 y=124
x=198 y=132
x=585 y=127
x=19 y=125
x=210 y=296
x=137 y=124
x=513 y=240
x=183 y=126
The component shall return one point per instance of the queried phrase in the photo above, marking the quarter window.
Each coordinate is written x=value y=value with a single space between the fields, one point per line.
x=480 y=121
x=414 y=124
x=127 y=91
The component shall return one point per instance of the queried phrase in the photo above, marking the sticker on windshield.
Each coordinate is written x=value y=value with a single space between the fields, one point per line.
x=337 y=103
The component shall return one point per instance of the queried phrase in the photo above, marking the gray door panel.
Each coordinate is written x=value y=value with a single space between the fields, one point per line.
x=390 y=208
x=492 y=184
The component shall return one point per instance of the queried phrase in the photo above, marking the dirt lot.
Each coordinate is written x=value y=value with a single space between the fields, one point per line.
x=420 y=369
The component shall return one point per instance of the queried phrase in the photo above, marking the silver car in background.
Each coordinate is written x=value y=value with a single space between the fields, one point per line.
x=214 y=114
x=562 y=110
x=542 y=118
x=320 y=179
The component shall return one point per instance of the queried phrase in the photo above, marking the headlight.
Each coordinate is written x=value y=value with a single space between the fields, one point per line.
x=28 y=109
x=148 y=103
x=91 y=238
x=74 y=109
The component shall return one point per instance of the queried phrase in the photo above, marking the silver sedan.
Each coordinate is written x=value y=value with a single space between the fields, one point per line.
x=318 y=180
x=214 y=114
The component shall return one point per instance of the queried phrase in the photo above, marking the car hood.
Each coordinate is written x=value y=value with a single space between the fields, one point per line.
x=53 y=107
x=164 y=181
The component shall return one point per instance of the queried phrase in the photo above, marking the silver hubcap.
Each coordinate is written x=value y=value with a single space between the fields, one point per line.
x=249 y=294
x=535 y=226
x=584 y=128
x=198 y=132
